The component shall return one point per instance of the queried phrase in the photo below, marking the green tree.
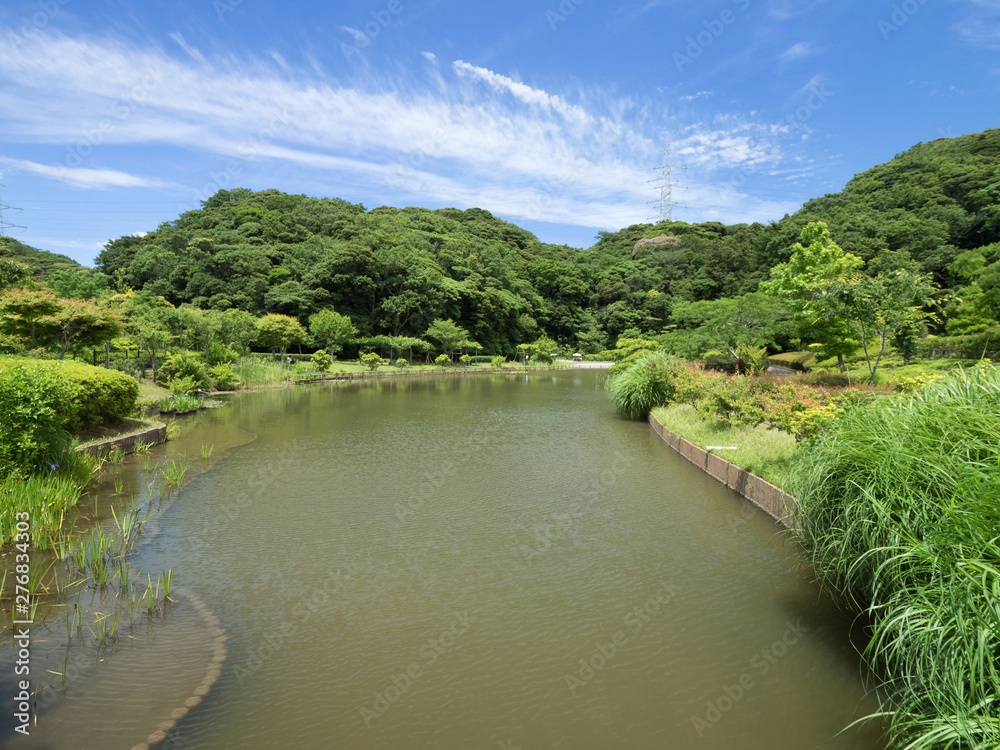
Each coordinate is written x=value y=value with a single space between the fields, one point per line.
x=331 y=330
x=447 y=333
x=85 y=323
x=29 y=312
x=877 y=309
x=277 y=332
x=804 y=283
x=723 y=325
x=238 y=327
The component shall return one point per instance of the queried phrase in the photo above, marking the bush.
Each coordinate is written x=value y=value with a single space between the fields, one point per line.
x=465 y=359
x=183 y=364
x=371 y=360
x=321 y=360
x=40 y=400
x=220 y=354
x=498 y=361
x=223 y=378
x=442 y=359
x=402 y=363
x=647 y=383
x=32 y=401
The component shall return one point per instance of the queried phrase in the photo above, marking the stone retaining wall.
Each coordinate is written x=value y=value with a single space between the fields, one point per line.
x=771 y=499
x=126 y=443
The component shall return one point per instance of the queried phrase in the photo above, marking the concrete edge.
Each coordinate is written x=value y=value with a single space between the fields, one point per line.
x=126 y=443
x=770 y=498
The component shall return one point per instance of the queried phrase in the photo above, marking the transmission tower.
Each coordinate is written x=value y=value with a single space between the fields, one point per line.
x=4 y=224
x=666 y=184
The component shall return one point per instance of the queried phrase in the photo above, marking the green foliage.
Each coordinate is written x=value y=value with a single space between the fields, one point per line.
x=447 y=334
x=277 y=332
x=321 y=360
x=331 y=329
x=183 y=385
x=223 y=378
x=498 y=362
x=402 y=363
x=32 y=401
x=221 y=354
x=184 y=365
x=442 y=360
x=648 y=382
x=898 y=508
x=371 y=360
x=465 y=359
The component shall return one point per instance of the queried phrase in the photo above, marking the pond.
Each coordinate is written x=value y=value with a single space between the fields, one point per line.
x=481 y=562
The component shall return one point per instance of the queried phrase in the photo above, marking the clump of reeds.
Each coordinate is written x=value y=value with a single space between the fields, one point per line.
x=899 y=507
x=644 y=385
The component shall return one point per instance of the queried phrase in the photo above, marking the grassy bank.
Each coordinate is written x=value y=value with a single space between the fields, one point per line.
x=768 y=453
x=900 y=511
x=899 y=506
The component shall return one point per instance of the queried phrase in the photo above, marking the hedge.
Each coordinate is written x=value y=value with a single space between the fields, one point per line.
x=85 y=396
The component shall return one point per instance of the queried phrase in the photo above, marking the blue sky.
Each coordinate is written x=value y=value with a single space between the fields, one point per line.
x=118 y=116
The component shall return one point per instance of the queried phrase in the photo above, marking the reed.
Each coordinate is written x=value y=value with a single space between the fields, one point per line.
x=645 y=384
x=173 y=473
x=206 y=451
x=898 y=508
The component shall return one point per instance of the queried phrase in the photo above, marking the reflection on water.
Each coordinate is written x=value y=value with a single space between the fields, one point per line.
x=480 y=563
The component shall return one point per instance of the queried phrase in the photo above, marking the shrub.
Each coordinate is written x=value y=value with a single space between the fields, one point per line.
x=220 y=354
x=498 y=361
x=321 y=360
x=465 y=359
x=183 y=385
x=402 y=363
x=442 y=359
x=371 y=360
x=223 y=378
x=31 y=431
x=647 y=383
x=183 y=364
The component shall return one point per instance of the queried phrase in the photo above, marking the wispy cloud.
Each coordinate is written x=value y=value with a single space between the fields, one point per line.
x=463 y=135
x=798 y=51
x=84 y=177
x=980 y=25
x=195 y=54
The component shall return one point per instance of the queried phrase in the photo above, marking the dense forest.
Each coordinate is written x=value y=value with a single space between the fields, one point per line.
x=932 y=211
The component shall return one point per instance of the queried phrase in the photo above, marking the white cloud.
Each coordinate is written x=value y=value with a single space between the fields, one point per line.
x=83 y=177
x=699 y=95
x=430 y=57
x=177 y=37
x=798 y=51
x=437 y=137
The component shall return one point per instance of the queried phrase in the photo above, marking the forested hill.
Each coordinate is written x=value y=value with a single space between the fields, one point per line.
x=933 y=209
x=927 y=206
x=40 y=263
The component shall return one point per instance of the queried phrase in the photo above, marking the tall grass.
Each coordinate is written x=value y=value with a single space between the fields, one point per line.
x=900 y=508
x=645 y=384
x=256 y=373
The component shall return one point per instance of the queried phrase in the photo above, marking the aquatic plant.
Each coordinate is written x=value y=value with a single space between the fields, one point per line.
x=898 y=508
x=206 y=451
x=647 y=383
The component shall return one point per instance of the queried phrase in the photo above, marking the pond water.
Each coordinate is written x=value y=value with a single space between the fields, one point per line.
x=455 y=563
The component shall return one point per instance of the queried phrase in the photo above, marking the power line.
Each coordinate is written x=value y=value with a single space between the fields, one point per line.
x=4 y=224
x=666 y=183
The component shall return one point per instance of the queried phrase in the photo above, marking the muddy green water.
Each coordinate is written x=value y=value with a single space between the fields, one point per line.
x=489 y=562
